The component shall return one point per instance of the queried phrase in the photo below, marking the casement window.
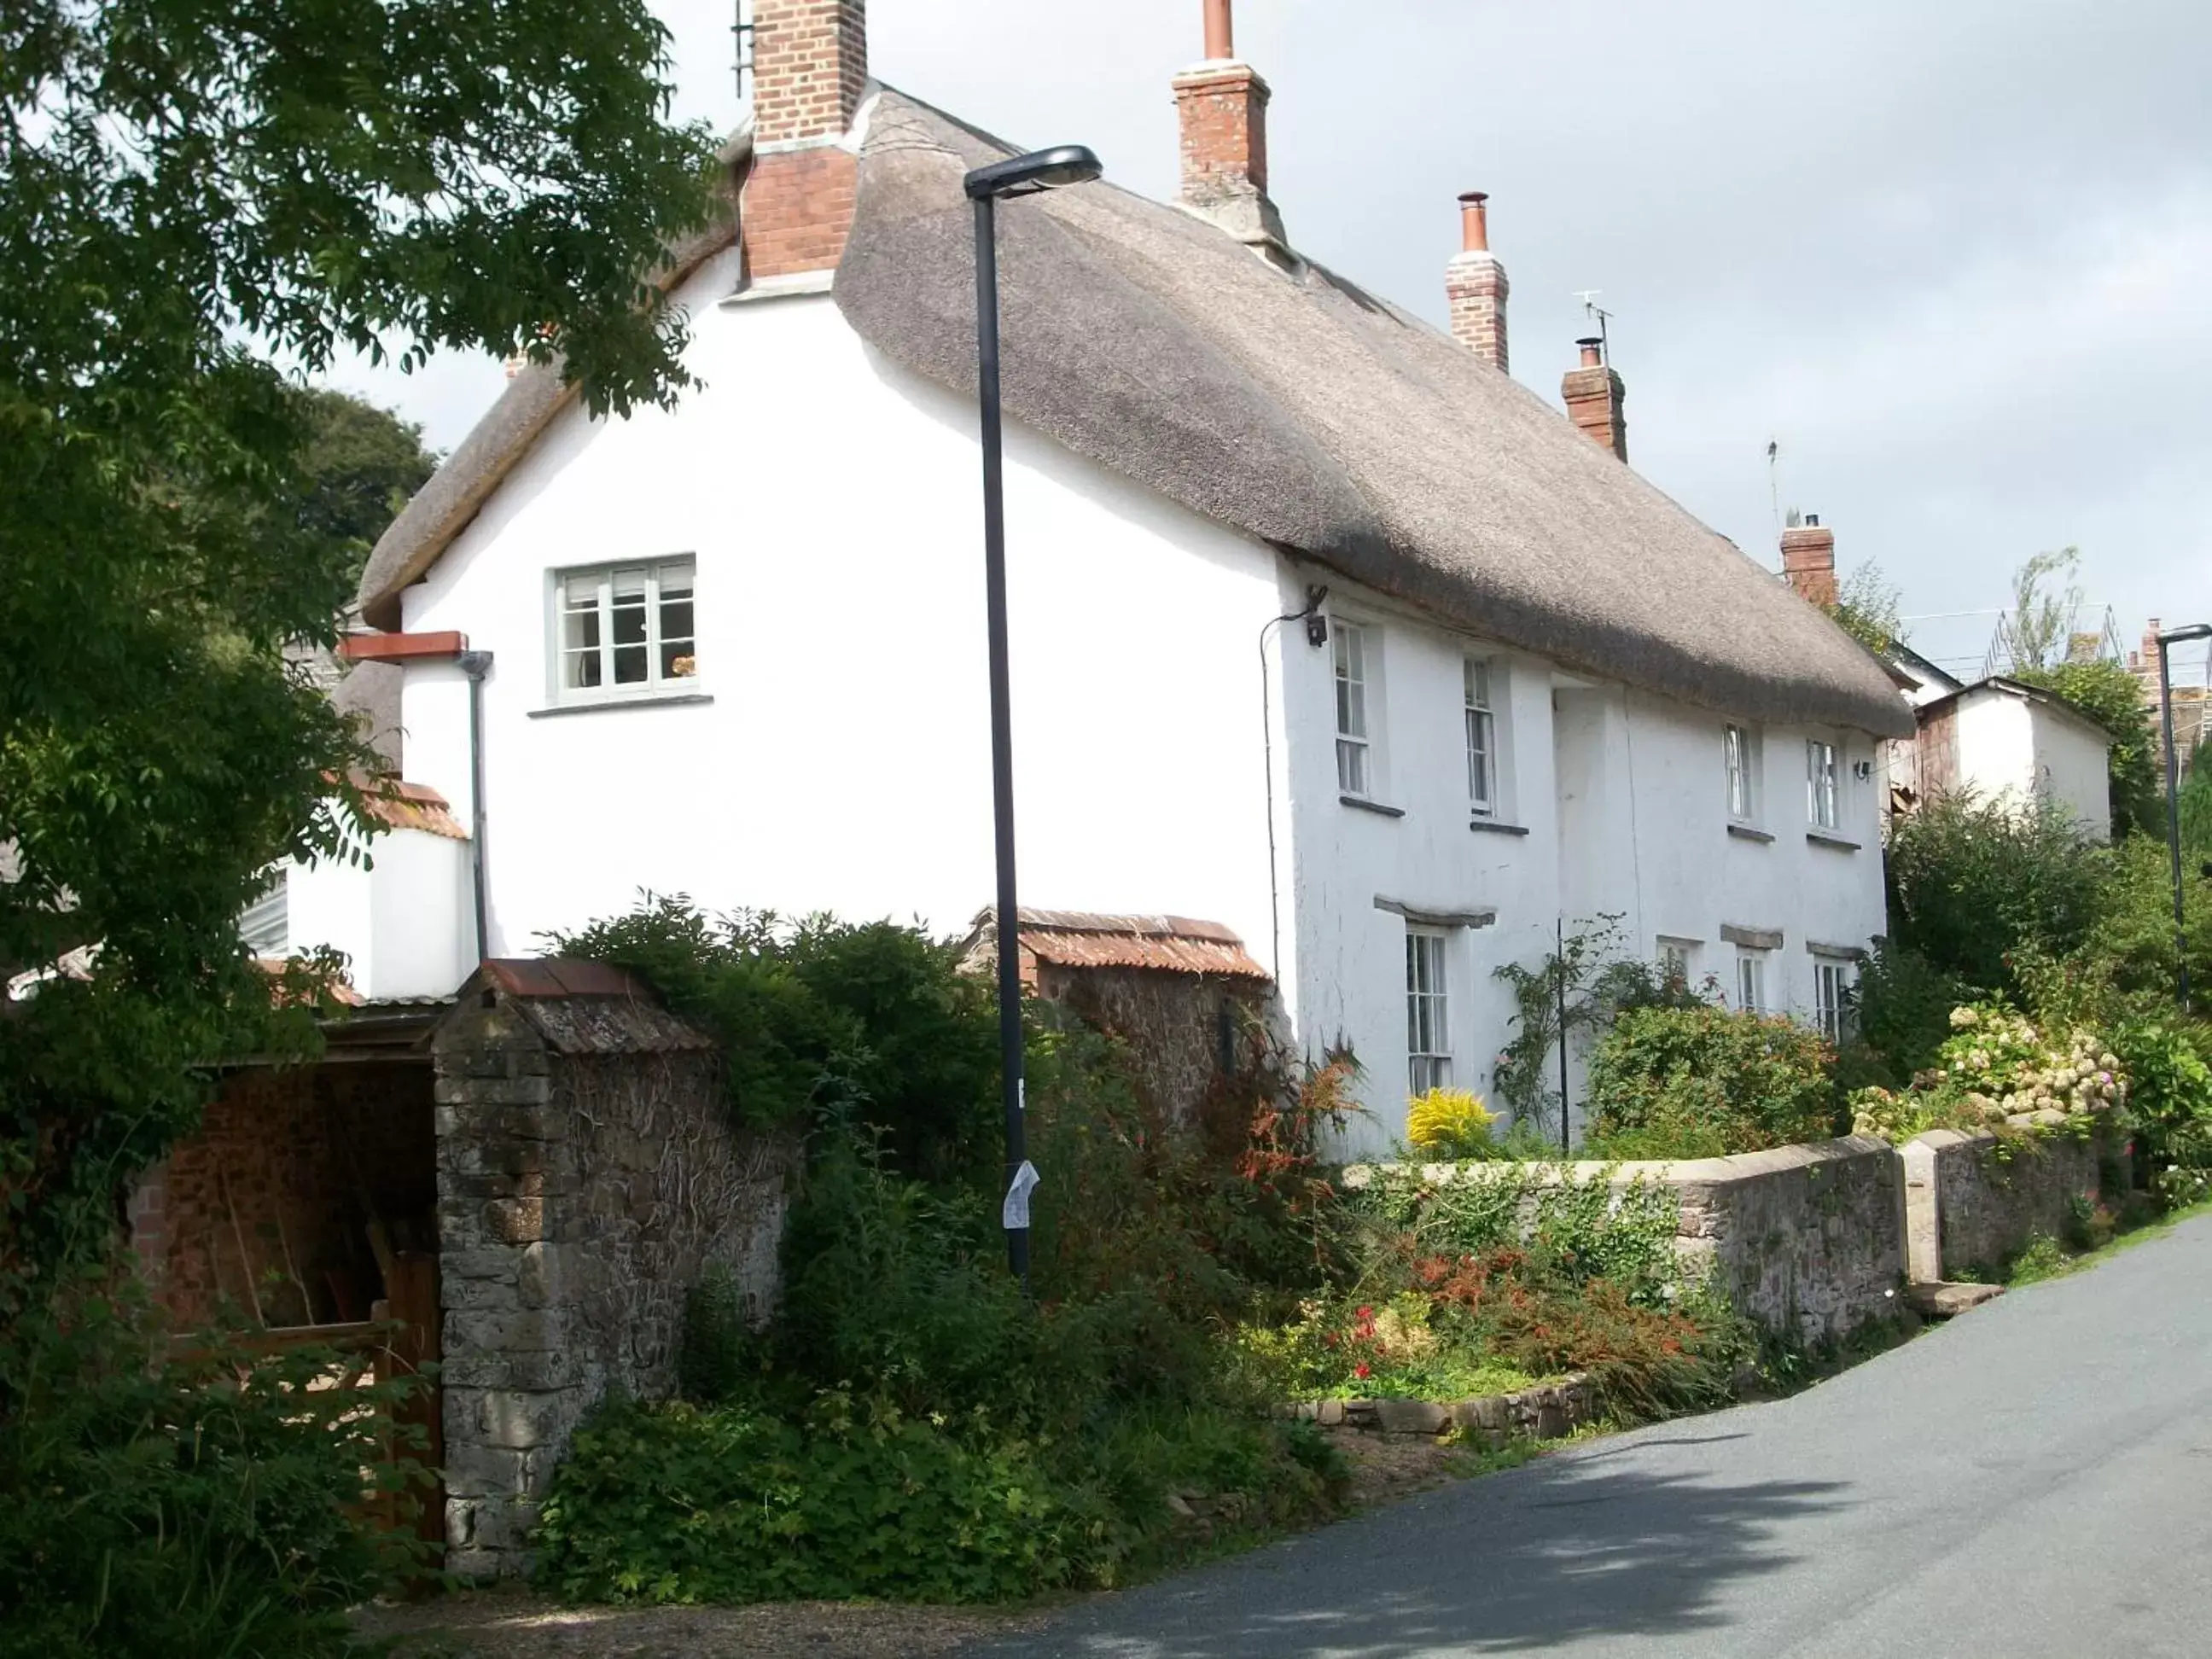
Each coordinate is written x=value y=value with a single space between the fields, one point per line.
x=1481 y=739
x=1820 y=784
x=265 y=925
x=1751 y=981
x=625 y=629
x=1428 y=1024
x=1742 y=793
x=1831 y=998
x=1678 y=958
x=1354 y=755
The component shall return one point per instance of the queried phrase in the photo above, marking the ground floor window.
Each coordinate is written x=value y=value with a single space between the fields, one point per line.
x=1428 y=1026
x=1832 y=997
x=1751 y=981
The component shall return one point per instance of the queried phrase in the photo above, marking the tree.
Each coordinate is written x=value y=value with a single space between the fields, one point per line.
x=2039 y=621
x=192 y=191
x=2109 y=695
x=361 y=464
x=1869 y=609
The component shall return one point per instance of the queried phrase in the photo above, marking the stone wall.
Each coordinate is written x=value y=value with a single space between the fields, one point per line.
x=587 y=1174
x=1183 y=1031
x=1973 y=1203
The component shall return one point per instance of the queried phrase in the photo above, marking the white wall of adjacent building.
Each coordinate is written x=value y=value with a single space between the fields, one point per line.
x=831 y=751
x=2011 y=746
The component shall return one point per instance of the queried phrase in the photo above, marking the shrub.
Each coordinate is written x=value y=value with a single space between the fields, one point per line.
x=152 y=1505
x=1451 y=1123
x=1997 y=1068
x=2134 y=933
x=1694 y=1081
x=1904 y=1005
x=2170 y=1103
x=1972 y=880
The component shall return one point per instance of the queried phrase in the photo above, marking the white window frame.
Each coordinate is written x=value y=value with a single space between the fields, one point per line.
x=1679 y=957
x=1428 y=1010
x=1823 y=786
x=1351 y=655
x=1831 y=998
x=1739 y=757
x=654 y=575
x=265 y=924
x=1481 y=716
x=1751 y=990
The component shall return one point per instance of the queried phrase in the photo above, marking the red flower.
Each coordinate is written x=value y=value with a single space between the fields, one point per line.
x=1363 y=1313
x=1363 y=1368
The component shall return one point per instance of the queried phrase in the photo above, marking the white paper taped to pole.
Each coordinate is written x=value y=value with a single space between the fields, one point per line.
x=1015 y=1215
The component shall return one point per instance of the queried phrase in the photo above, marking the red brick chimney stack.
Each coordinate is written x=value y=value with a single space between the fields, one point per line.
x=1475 y=283
x=1223 y=106
x=809 y=74
x=1808 y=561
x=1593 y=397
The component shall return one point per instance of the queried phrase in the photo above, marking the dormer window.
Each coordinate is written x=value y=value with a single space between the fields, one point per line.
x=625 y=630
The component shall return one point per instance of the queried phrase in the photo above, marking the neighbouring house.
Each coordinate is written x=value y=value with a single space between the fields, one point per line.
x=1323 y=625
x=2192 y=704
x=1997 y=737
x=527 y=1175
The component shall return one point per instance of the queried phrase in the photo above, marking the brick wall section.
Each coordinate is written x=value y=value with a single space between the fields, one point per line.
x=1595 y=397
x=268 y=1203
x=810 y=68
x=1808 y=563
x=1222 y=109
x=1967 y=1210
x=797 y=210
x=579 y=1196
x=1475 y=284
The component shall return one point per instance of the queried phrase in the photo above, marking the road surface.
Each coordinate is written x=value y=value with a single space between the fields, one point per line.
x=2033 y=1478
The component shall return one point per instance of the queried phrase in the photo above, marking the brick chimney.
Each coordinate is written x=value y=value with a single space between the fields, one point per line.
x=1476 y=284
x=1594 y=395
x=810 y=74
x=1222 y=106
x=1808 y=561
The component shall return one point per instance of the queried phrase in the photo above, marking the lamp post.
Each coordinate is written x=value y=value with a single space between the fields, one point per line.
x=1022 y=175
x=2175 y=637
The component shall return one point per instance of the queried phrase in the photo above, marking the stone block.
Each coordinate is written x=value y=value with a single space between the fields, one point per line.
x=546 y=1274
x=479 y=1295
x=474 y=1471
x=515 y=1220
x=1942 y=1301
x=491 y=1369
x=499 y=1262
x=1488 y=1414
x=1411 y=1417
x=529 y=1330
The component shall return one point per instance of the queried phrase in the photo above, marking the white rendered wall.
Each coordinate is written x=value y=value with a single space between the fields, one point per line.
x=2072 y=767
x=832 y=503
x=404 y=921
x=1996 y=745
x=1624 y=798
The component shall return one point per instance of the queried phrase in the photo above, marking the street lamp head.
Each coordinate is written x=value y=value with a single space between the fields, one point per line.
x=2194 y=631
x=1025 y=175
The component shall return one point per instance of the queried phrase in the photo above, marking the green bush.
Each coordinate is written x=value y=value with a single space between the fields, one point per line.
x=1703 y=1081
x=2133 y=938
x=158 y=1506
x=1972 y=881
x=1904 y=1005
x=2169 y=1069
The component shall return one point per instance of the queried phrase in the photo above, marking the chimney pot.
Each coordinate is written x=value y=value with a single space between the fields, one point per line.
x=1474 y=223
x=1812 y=521
x=1593 y=349
x=1220 y=31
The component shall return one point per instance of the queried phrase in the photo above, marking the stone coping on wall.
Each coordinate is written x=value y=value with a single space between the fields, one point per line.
x=1548 y=1410
x=1974 y=1198
x=1673 y=1172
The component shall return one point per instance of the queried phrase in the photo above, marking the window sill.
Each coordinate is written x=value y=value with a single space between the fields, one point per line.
x=1377 y=806
x=1822 y=838
x=602 y=705
x=1492 y=826
x=1744 y=832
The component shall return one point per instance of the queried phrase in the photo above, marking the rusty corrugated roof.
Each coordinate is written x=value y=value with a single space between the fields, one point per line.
x=401 y=805
x=1080 y=939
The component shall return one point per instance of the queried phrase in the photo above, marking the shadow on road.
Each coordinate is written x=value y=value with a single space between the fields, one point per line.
x=1557 y=1551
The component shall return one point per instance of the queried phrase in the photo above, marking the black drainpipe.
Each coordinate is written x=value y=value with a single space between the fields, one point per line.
x=476 y=665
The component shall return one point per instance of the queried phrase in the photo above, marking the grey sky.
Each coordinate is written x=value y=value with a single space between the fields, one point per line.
x=1953 y=254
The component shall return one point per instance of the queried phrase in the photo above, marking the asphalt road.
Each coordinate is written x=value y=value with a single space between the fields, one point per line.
x=2033 y=1478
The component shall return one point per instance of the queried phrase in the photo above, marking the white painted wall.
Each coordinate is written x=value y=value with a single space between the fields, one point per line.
x=2072 y=767
x=1624 y=797
x=832 y=503
x=2012 y=747
x=404 y=919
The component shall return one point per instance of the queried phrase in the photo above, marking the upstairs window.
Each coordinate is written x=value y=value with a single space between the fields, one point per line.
x=266 y=924
x=1677 y=959
x=1481 y=739
x=1428 y=1025
x=627 y=628
x=1742 y=804
x=1354 y=759
x=1820 y=784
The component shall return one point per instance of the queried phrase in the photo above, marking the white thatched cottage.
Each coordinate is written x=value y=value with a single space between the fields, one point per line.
x=1323 y=625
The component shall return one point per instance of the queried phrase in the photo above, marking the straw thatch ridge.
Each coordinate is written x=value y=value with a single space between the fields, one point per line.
x=1308 y=413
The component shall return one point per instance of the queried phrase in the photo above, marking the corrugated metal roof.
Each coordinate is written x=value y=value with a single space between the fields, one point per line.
x=1079 y=939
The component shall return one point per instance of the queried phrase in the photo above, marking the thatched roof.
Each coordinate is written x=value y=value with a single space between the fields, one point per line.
x=1295 y=407
x=1311 y=414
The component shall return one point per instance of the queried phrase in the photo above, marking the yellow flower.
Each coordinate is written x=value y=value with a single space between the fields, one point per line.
x=1449 y=1122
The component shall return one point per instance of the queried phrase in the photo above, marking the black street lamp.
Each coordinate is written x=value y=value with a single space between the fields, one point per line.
x=2175 y=637
x=1022 y=175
